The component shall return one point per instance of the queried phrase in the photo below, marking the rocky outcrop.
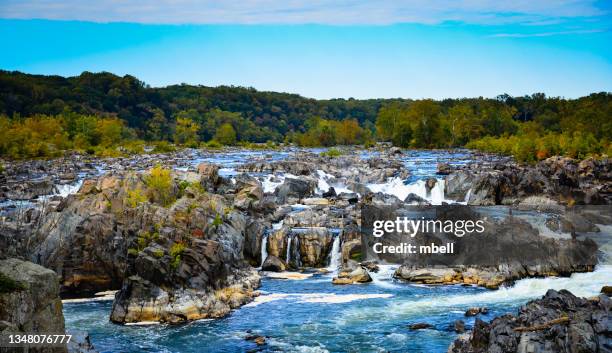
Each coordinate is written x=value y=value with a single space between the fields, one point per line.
x=273 y=264
x=507 y=249
x=559 y=178
x=29 y=300
x=559 y=322
x=173 y=242
x=295 y=188
x=352 y=274
x=186 y=261
x=314 y=246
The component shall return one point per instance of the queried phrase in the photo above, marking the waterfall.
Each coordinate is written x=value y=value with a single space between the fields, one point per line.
x=467 y=196
x=264 y=248
x=437 y=193
x=335 y=255
x=288 y=257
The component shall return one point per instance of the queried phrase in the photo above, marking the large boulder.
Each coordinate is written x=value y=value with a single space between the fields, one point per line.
x=29 y=300
x=354 y=275
x=250 y=193
x=273 y=264
x=295 y=188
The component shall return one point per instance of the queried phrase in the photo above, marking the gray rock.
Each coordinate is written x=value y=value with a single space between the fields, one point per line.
x=296 y=188
x=274 y=264
x=29 y=299
x=558 y=322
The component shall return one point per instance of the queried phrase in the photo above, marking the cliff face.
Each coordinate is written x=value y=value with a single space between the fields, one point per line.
x=558 y=322
x=29 y=300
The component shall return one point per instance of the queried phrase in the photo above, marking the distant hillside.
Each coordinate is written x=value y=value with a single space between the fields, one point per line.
x=133 y=101
x=104 y=114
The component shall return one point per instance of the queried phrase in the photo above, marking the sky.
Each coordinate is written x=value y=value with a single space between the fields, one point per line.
x=321 y=48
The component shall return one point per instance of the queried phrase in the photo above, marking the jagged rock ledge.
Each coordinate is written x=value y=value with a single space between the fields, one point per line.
x=558 y=322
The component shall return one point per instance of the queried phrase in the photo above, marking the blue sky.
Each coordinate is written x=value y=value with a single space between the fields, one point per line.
x=322 y=49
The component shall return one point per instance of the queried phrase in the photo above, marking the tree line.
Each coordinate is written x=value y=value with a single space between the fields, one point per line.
x=105 y=114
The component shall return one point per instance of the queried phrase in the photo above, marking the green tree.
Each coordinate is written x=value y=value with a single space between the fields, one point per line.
x=186 y=132
x=226 y=134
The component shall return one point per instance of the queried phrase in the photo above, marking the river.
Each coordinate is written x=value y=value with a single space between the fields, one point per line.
x=312 y=315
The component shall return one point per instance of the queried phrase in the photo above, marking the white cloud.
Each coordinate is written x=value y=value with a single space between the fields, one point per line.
x=545 y=34
x=339 y=12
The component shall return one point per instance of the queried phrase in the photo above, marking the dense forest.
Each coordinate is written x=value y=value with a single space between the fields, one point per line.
x=101 y=113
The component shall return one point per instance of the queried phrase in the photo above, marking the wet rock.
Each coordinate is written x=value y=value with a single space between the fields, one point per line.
x=476 y=310
x=273 y=264
x=351 y=198
x=558 y=322
x=560 y=179
x=371 y=266
x=314 y=246
x=359 y=188
x=351 y=250
x=428 y=275
x=352 y=276
x=277 y=242
x=296 y=188
x=430 y=184
x=80 y=343
x=331 y=192
x=259 y=340
x=458 y=184
x=415 y=199
x=255 y=230
x=420 y=326
x=459 y=326
x=395 y=150
x=607 y=290
x=444 y=169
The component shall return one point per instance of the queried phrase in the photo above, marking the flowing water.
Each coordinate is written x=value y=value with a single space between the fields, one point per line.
x=312 y=315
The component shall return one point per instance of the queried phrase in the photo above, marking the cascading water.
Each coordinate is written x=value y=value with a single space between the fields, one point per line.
x=396 y=187
x=467 y=196
x=335 y=255
x=264 y=248
x=288 y=257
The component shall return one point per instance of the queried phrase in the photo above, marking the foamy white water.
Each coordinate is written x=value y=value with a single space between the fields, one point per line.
x=264 y=248
x=396 y=187
x=335 y=255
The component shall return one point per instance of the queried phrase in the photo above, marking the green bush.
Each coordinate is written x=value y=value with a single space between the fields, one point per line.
x=163 y=147
x=135 y=197
x=160 y=185
x=332 y=152
x=176 y=250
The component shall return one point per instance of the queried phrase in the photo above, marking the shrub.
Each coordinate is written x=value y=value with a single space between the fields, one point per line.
x=163 y=147
x=332 y=152
x=144 y=239
x=135 y=197
x=159 y=182
x=212 y=144
x=176 y=250
x=217 y=221
x=158 y=253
